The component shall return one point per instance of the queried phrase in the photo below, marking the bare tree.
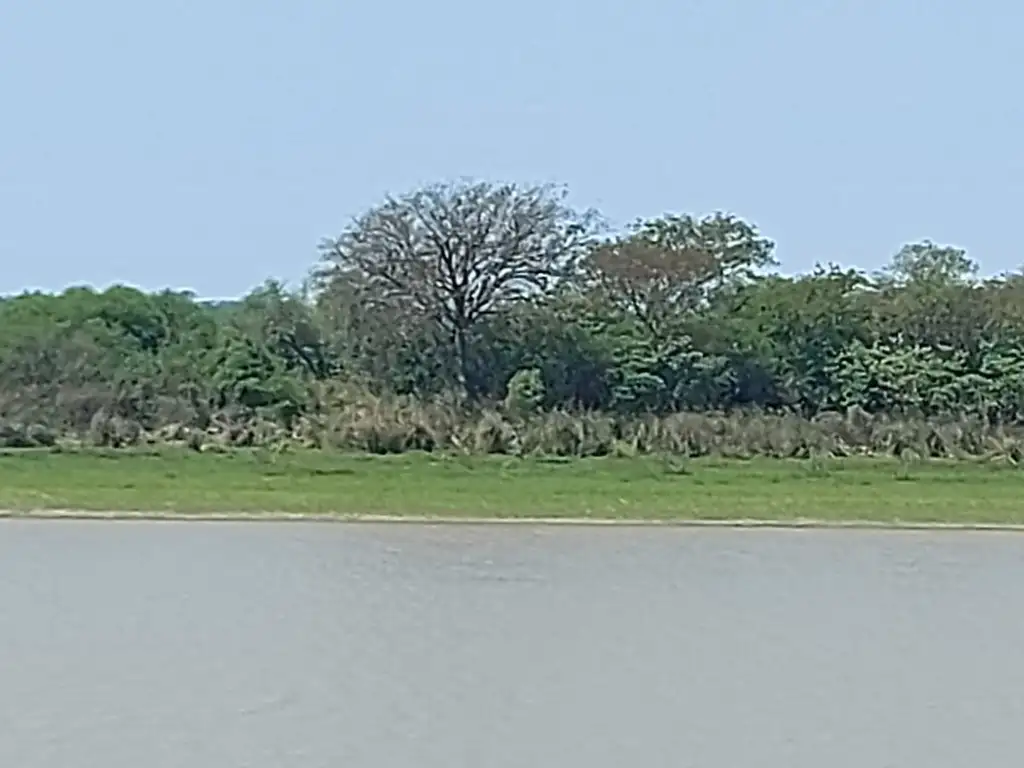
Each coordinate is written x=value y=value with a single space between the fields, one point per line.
x=454 y=253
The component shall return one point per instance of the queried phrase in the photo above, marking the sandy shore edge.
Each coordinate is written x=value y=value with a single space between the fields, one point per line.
x=292 y=517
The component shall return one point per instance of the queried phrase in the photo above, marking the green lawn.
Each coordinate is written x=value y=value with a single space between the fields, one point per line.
x=863 y=489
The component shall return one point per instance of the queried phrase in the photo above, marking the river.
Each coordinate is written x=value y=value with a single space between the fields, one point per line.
x=176 y=645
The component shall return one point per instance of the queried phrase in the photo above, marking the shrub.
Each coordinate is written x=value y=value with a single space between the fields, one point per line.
x=525 y=392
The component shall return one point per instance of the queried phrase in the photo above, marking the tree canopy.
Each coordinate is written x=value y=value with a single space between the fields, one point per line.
x=505 y=295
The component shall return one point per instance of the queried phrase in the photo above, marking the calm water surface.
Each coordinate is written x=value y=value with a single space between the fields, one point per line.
x=269 y=645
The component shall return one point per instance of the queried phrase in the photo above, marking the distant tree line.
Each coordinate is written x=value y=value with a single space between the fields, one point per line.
x=504 y=297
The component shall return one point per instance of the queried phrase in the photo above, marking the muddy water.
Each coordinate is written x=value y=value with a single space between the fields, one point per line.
x=265 y=645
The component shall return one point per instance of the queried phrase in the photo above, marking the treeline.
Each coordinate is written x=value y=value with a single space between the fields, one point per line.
x=455 y=315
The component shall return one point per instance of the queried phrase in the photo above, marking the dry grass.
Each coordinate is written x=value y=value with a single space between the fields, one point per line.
x=354 y=421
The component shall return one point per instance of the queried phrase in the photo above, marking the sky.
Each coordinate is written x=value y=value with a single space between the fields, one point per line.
x=211 y=145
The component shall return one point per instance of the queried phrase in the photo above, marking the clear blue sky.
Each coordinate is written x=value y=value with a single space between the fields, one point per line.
x=210 y=145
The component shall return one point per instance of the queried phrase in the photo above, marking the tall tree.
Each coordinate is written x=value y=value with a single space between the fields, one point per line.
x=663 y=268
x=929 y=262
x=929 y=295
x=452 y=254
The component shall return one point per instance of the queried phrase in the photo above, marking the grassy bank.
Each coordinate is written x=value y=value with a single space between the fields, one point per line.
x=878 y=490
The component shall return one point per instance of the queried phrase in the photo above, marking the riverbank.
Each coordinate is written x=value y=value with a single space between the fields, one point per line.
x=315 y=485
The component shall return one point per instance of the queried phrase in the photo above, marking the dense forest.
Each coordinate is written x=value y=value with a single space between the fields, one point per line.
x=489 y=317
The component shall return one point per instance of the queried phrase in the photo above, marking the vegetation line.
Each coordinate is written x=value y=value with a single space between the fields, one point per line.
x=497 y=319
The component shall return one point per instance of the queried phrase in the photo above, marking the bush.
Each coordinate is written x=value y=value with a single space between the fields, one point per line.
x=525 y=392
x=31 y=436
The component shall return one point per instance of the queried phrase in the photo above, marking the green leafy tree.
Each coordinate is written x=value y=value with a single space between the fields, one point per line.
x=664 y=268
